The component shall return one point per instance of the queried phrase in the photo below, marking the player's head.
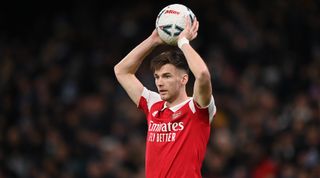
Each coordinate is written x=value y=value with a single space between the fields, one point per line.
x=170 y=70
x=174 y=57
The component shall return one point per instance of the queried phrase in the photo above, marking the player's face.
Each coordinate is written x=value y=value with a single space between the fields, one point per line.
x=170 y=81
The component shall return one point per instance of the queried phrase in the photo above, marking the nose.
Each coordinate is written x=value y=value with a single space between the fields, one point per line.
x=159 y=82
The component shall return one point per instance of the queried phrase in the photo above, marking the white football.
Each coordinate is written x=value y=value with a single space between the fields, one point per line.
x=171 y=21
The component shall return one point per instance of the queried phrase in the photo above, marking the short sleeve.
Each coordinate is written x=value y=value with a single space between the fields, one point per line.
x=211 y=108
x=147 y=99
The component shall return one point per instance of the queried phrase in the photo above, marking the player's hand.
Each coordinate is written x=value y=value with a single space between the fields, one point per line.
x=156 y=38
x=190 y=31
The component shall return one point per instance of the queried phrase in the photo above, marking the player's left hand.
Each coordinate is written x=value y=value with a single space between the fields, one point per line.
x=191 y=31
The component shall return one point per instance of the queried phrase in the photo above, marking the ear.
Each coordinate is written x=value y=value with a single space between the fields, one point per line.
x=184 y=79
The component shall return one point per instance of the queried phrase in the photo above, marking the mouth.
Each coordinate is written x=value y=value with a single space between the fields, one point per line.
x=163 y=91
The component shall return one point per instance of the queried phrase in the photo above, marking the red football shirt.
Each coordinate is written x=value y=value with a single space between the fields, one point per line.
x=177 y=136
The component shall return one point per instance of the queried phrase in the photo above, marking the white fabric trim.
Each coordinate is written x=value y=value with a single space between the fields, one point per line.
x=211 y=108
x=191 y=106
x=178 y=106
x=151 y=97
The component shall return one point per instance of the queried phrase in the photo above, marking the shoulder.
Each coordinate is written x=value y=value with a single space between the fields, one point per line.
x=208 y=111
x=149 y=97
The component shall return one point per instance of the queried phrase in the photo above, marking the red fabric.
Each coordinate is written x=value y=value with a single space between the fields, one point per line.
x=176 y=141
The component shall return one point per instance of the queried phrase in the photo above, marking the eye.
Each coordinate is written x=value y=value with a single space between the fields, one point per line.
x=167 y=76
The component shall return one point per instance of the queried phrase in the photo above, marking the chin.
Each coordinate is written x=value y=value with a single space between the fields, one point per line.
x=164 y=98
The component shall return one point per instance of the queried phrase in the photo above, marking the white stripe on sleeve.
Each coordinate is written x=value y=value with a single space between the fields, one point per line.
x=151 y=97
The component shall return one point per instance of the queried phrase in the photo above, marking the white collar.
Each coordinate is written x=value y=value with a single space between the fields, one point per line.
x=176 y=107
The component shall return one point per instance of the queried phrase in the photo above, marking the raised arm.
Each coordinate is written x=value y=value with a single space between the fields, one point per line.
x=202 y=87
x=125 y=70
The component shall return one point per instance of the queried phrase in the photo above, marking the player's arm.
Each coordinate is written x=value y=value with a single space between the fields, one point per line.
x=125 y=70
x=202 y=86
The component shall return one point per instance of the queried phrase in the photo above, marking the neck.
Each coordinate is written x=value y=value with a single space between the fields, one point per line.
x=179 y=99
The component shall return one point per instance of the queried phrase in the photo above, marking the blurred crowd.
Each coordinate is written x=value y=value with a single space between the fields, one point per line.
x=63 y=114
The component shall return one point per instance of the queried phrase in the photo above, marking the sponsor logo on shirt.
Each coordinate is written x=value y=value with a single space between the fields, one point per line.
x=155 y=113
x=164 y=132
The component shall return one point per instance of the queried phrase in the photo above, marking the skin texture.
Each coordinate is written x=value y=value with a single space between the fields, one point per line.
x=171 y=83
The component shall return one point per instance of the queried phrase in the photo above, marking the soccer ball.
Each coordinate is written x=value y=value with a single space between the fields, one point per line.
x=171 y=21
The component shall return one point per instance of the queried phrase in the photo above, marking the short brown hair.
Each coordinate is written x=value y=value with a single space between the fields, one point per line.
x=174 y=57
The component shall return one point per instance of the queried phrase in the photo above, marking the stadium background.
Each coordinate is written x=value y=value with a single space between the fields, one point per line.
x=62 y=113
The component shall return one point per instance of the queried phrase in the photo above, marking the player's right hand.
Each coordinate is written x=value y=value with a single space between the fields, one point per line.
x=156 y=38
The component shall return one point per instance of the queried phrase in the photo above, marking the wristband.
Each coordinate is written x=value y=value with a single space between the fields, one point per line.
x=182 y=41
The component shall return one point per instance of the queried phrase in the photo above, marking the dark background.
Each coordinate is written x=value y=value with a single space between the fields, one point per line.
x=62 y=113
